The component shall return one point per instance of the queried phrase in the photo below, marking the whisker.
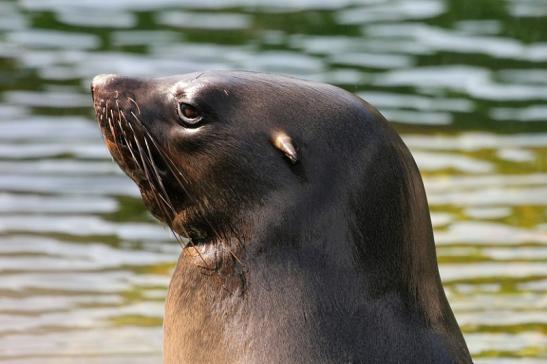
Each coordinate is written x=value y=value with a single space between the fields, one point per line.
x=159 y=180
x=112 y=129
x=129 y=145
x=154 y=168
x=151 y=181
x=135 y=103
x=150 y=160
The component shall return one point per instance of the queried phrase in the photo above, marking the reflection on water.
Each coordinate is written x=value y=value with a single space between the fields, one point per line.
x=83 y=267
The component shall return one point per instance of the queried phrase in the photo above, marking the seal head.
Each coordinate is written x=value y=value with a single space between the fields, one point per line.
x=311 y=239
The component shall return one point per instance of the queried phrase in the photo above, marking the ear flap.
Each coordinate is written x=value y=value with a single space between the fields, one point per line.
x=283 y=142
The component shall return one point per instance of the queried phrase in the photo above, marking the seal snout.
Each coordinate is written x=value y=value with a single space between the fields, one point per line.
x=101 y=80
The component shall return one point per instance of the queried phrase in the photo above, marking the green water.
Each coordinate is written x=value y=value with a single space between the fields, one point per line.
x=84 y=268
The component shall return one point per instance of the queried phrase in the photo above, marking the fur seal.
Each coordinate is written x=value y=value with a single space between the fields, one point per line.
x=311 y=240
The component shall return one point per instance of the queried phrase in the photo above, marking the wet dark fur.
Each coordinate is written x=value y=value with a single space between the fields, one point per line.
x=330 y=260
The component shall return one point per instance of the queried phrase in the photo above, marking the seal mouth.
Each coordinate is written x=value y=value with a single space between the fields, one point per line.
x=140 y=156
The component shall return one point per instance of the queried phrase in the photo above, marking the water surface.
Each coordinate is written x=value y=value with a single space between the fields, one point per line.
x=84 y=268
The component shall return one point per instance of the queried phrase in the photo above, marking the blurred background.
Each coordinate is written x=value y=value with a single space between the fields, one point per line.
x=84 y=268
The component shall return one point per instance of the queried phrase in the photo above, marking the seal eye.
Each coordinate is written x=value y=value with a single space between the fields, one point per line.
x=189 y=114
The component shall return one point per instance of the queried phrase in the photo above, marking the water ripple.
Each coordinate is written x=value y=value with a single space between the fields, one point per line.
x=464 y=82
